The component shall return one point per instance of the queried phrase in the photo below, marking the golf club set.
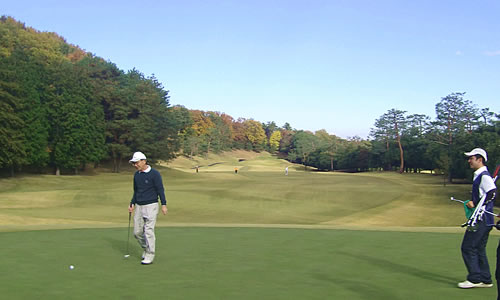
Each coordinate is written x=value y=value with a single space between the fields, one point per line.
x=473 y=215
x=480 y=211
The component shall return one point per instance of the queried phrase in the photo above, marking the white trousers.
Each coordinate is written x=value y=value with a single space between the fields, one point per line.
x=144 y=228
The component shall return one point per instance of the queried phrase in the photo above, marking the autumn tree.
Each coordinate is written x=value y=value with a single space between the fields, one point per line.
x=274 y=141
x=254 y=133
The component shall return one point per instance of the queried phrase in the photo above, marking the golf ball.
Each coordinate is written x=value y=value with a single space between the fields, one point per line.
x=71 y=267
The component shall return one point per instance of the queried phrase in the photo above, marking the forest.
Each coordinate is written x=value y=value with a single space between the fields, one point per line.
x=64 y=109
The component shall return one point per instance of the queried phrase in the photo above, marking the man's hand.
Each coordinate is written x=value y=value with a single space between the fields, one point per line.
x=470 y=204
x=164 y=209
x=131 y=208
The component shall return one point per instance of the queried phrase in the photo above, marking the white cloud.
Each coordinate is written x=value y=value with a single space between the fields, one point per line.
x=459 y=53
x=492 y=53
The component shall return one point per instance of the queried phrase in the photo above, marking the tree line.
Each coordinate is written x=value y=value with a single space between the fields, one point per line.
x=64 y=108
x=67 y=109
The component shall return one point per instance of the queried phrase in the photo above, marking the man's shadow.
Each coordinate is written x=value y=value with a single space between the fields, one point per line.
x=400 y=268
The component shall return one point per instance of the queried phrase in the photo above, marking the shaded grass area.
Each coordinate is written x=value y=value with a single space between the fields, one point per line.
x=235 y=263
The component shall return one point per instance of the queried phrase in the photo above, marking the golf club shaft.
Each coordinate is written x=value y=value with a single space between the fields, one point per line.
x=128 y=233
x=461 y=201
x=489 y=212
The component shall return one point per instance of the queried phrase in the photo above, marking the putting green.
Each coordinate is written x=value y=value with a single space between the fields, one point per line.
x=235 y=263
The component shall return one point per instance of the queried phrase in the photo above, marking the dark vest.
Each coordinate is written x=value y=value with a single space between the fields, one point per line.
x=475 y=198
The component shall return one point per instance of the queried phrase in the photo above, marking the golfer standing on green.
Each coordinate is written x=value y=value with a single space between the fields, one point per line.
x=148 y=187
x=475 y=240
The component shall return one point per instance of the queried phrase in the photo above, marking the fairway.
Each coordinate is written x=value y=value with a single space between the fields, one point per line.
x=257 y=234
x=259 y=194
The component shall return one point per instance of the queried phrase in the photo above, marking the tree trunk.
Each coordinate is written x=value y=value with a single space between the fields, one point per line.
x=118 y=167
x=401 y=166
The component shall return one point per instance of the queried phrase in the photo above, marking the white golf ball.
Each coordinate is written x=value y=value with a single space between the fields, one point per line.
x=71 y=267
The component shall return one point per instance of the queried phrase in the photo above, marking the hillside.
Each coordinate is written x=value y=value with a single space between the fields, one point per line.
x=227 y=161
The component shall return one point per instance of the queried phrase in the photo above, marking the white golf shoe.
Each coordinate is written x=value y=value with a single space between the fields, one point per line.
x=467 y=285
x=147 y=259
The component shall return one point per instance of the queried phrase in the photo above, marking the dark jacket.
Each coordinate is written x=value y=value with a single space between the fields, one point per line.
x=148 y=186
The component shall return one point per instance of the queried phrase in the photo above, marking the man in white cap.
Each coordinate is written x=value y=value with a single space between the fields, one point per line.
x=148 y=187
x=475 y=240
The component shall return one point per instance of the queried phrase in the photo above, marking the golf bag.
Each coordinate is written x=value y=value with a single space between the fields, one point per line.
x=481 y=208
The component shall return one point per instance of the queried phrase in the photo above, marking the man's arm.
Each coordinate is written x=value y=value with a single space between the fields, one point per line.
x=160 y=190
x=491 y=195
x=489 y=188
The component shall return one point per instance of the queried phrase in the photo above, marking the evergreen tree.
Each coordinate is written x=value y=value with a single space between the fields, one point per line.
x=12 y=147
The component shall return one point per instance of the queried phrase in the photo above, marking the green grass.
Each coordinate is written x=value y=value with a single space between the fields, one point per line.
x=257 y=234
x=235 y=263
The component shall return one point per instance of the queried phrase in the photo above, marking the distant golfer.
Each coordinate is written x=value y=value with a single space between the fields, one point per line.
x=286 y=171
x=148 y=187
x=474 y=242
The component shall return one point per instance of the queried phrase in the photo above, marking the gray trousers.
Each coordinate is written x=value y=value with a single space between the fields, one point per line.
x=144 y=228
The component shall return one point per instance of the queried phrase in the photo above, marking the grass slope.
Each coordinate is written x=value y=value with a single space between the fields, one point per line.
x=259 y=194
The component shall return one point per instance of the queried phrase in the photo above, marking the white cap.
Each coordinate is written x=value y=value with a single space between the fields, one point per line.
x=137 y=157
x=476 y=151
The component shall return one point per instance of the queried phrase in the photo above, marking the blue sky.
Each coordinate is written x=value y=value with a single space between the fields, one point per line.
x=333 y=65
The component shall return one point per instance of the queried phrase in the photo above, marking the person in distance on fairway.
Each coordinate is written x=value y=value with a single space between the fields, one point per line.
x=474 y=242
x=148 y=187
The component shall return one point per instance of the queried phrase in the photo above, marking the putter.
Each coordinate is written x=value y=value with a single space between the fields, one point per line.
x=128 y=235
